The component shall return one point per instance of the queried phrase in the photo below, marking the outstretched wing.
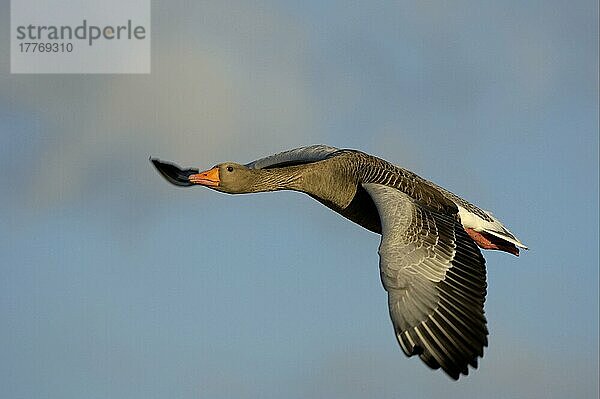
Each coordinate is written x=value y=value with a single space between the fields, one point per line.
x=297 y=156
x=435 y=278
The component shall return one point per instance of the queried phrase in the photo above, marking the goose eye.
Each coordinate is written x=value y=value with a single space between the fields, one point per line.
x=230 y=168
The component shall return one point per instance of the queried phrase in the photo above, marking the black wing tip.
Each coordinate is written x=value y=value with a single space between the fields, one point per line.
x=453 y=369
x=173 y=173
x=158 y=163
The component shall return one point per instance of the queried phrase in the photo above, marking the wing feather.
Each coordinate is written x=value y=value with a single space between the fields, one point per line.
x=297 y=156
x=435 y=278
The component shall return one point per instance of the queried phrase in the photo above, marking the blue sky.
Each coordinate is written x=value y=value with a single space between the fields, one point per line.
x=117 y=285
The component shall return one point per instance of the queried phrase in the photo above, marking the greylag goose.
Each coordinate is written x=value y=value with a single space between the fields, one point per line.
x=429 y=259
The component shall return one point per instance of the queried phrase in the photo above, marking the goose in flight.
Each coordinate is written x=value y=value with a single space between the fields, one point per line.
x=429 y=258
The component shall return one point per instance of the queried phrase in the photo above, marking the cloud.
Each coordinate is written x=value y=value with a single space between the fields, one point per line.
x=228 y=88
x=232 y=81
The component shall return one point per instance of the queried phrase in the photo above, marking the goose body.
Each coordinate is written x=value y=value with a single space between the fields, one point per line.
x=430 y=263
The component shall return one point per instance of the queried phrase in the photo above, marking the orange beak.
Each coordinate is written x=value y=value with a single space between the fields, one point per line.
x=209 y=178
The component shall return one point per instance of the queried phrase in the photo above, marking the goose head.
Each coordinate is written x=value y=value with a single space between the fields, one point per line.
x=228 y=177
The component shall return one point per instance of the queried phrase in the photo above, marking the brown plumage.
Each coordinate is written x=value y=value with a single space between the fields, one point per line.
x=430 y=263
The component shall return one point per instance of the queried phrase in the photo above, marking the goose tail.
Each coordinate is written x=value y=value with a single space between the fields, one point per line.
x=490 y=234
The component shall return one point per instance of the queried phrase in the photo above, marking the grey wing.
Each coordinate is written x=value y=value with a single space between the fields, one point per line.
x=296 y=156
x=435 y=278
